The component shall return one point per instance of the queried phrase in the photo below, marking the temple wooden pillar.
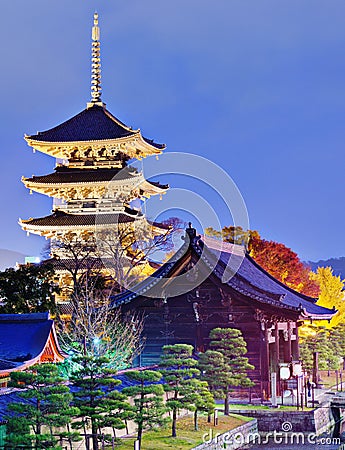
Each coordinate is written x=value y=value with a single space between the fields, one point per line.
x=277 y=356
x=295 y=344
x=288 y=344
x=265 y=363
x=276 y=347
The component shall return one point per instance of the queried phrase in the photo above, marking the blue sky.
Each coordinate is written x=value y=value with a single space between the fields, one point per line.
x=256 y=86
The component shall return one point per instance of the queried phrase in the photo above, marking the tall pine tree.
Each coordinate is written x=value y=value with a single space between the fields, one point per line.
x=93 y=381
x=225 y=366
x=116 y=411
x=177 y=366
x=197 y=397
x=148 y=409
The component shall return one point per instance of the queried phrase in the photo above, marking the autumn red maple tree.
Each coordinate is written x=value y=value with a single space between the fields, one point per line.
x=284 y=264
x=277 y=259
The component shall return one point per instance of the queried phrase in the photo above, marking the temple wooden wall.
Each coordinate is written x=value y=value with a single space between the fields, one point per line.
x=180 y=320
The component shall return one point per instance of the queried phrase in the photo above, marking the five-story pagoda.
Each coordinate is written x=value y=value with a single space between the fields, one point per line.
x=92 y=185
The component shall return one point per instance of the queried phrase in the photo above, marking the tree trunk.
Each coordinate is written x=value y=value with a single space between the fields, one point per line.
x=38 y=424
x=51 y=433
x=69 y=438
x=173 y=427
x=196 y=424
x=209 y=418
x=140 y=423
x=140 y=434
x=226 y=404
x=94 y=429
x=87 y=442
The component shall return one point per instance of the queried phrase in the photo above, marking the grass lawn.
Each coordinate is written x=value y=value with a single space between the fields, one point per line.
x=186 y=437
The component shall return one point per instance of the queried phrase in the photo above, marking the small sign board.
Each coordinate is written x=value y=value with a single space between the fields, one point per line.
x=285 y=372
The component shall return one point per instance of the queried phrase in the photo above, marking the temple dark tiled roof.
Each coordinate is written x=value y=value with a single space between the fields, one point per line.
x=22 y=337
x=257 y=281
x=91 y=124
x=250 y=280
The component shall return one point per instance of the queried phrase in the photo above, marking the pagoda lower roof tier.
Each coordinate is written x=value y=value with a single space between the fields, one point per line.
x=96 y=129
x=71 y=183
x=60 y=221
x=64 y=174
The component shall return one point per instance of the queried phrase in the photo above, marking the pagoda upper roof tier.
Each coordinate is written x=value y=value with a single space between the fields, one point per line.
x=71 y=183
x=94 y=127
x=60 y=221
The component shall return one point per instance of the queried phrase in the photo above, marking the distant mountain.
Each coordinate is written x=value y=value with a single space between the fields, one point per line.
x=337 y=264
x=9 y=258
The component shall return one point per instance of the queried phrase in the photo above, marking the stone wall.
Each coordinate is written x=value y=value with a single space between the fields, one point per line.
x=230 y=440
x=319 y=420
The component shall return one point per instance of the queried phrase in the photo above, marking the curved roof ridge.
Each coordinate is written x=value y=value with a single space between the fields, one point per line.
x=119 y=122
x=305 y=297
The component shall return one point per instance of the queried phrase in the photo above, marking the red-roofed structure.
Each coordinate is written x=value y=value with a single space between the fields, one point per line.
x=25 y=340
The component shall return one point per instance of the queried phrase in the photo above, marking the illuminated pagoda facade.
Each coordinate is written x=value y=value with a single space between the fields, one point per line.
x=92 y=184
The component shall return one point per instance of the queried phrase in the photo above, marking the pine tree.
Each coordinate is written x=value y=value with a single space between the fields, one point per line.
x=93 y=381
x=337 y=339
x=197 y=397
x=45 y=406
x=116 y=411
x=319 y=342
x=225 y=373
x=177 y=366
x=148 y=410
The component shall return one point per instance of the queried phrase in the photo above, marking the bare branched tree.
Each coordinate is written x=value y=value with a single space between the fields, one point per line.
x=122 y=252
x=98 y=330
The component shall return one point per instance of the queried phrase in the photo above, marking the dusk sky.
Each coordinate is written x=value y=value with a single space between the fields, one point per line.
x=257 y=87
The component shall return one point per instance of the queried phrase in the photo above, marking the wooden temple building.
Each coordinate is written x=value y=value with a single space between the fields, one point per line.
x=190 y=295
x=92 y=184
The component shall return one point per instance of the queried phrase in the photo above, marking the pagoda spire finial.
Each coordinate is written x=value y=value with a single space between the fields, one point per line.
x=96 y=89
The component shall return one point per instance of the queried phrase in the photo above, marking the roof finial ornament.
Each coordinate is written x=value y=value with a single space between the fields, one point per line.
x=96 y=89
